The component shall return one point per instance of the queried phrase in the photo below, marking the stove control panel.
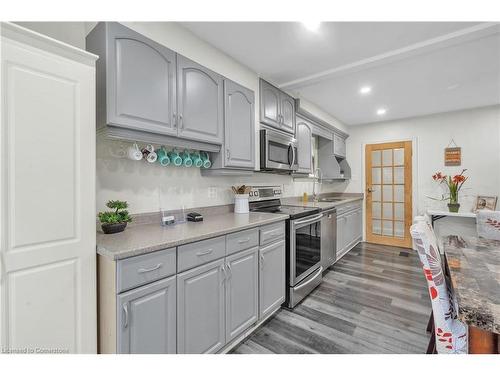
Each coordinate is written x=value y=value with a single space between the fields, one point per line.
x=265 y=193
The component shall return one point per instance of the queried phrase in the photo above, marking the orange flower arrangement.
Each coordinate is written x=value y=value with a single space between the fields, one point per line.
x=454 y=184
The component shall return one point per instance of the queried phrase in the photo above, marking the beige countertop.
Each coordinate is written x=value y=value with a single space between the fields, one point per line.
x=146 y=238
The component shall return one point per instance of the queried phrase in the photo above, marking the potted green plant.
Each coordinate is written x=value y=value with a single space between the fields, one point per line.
x=115 y=221
x=454 y=184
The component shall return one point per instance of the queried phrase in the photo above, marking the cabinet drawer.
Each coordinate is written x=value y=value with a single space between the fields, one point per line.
x=272 y=232
x=348 y=207
x=242 y=240
x=143 y=269
x=198 y=253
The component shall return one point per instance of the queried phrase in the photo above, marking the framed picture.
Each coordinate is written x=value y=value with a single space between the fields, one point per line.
x=486 y=203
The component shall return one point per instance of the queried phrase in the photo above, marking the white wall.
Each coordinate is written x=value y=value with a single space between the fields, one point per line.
x=476 y=131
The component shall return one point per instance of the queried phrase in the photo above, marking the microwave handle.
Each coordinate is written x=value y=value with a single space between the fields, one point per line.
x=290 y=162
x=293 y=156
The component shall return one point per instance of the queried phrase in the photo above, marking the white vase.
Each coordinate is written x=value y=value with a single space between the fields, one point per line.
x=241 y=203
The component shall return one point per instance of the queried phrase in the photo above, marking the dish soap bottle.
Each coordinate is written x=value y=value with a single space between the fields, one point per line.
x=304 y=198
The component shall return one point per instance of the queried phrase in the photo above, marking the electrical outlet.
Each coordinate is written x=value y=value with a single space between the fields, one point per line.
x=212 y=192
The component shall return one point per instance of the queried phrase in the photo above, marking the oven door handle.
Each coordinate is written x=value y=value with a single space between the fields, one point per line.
x=309 y=220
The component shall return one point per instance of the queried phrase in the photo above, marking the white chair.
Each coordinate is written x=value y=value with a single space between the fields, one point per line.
x=488 y=224
x=449 y=333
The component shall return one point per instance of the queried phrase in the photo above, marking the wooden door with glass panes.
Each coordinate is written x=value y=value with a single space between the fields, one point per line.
x=388 y=172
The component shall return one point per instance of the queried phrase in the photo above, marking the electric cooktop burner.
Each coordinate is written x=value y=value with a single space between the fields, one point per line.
x=295 y=212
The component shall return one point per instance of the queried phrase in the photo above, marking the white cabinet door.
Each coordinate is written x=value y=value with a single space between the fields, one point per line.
x=242 y=292
x=341 y=235
x=200 y=309
x=47 y=190
x=272 y=277
x=147 y=319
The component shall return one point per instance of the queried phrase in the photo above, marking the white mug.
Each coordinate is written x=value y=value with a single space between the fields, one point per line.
x=152 y=156
x=134 y=153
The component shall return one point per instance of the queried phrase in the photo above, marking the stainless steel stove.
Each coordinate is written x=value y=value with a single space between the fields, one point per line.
x=303 y=241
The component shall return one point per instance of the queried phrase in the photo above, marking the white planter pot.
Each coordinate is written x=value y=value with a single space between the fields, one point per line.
x=241 y=203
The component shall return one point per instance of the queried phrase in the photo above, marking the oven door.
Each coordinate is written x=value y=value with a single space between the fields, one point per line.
x=305 y=247
x=277 y=151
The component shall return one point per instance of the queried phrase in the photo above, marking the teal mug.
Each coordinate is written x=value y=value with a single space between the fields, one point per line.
x=163 y=158
x=197 y=161
x=175 y=158
x=206 y=160
x=186 y=159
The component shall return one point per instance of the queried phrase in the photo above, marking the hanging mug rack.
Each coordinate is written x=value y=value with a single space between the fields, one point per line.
x=165 y=157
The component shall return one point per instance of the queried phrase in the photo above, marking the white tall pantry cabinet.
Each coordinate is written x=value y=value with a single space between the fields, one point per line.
x=47 y=195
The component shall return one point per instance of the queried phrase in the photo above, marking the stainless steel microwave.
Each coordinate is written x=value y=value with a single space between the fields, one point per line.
x=278 y=152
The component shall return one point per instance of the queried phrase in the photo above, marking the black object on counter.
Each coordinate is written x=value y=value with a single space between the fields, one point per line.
x=194 y=216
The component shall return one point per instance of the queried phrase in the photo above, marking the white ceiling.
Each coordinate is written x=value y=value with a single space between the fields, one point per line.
x=414 y=68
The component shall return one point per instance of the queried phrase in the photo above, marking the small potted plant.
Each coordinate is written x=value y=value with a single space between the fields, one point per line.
x=454 y=184
x=115 y=221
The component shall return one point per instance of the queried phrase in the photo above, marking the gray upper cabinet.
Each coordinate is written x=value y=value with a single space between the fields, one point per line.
x=269 y=105
x=200 y=102
x=272 y=277
x=339 y=148
x=201 y=309
x=304 y=152
x=242 y=291
x=135 y=80
x=239 y=126
x=147 y=319
x=287 y=110
x=277 y=109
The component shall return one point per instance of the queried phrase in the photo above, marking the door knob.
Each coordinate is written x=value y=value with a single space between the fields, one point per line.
x=370 y=190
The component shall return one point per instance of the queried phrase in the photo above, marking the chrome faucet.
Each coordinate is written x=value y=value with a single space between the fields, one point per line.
x=318 y=174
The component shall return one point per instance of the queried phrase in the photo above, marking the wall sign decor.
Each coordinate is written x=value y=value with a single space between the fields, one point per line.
x=452 y=155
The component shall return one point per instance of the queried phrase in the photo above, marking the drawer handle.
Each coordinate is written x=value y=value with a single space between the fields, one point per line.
x=271 y=232
x=206 y=252
x=244 y=240
x=144 y=270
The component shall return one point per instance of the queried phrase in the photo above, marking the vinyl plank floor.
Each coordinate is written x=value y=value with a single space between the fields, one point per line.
x=374 y=300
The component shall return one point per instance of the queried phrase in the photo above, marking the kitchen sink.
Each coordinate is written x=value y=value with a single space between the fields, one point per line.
x=330 y=199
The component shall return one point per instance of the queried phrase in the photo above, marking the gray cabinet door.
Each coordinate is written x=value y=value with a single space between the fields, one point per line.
x=304 y=151
x=341 y=234
x=242 y=292
x=339 y=145
x=271 y=277
x=270 y=105
x=146 y=319
x=140 y=80
x=200 y=102
x=239 y=126
x=201 y=308
x=287 y=112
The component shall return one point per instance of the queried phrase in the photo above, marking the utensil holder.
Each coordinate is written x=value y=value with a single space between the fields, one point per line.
x=241 y=204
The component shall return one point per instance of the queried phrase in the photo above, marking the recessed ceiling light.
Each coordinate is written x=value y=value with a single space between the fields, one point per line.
x=453 y=87
x=365 y=90
x=381 y=111
x=312 y=25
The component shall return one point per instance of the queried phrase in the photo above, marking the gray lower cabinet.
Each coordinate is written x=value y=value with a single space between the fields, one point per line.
x=146 y=322
x=272 y=277
x=349 y=228
x=242 y=291
x=239 y=126
x=304 y=150
x=200 y=102
x=136 y=80
x=201 y=309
